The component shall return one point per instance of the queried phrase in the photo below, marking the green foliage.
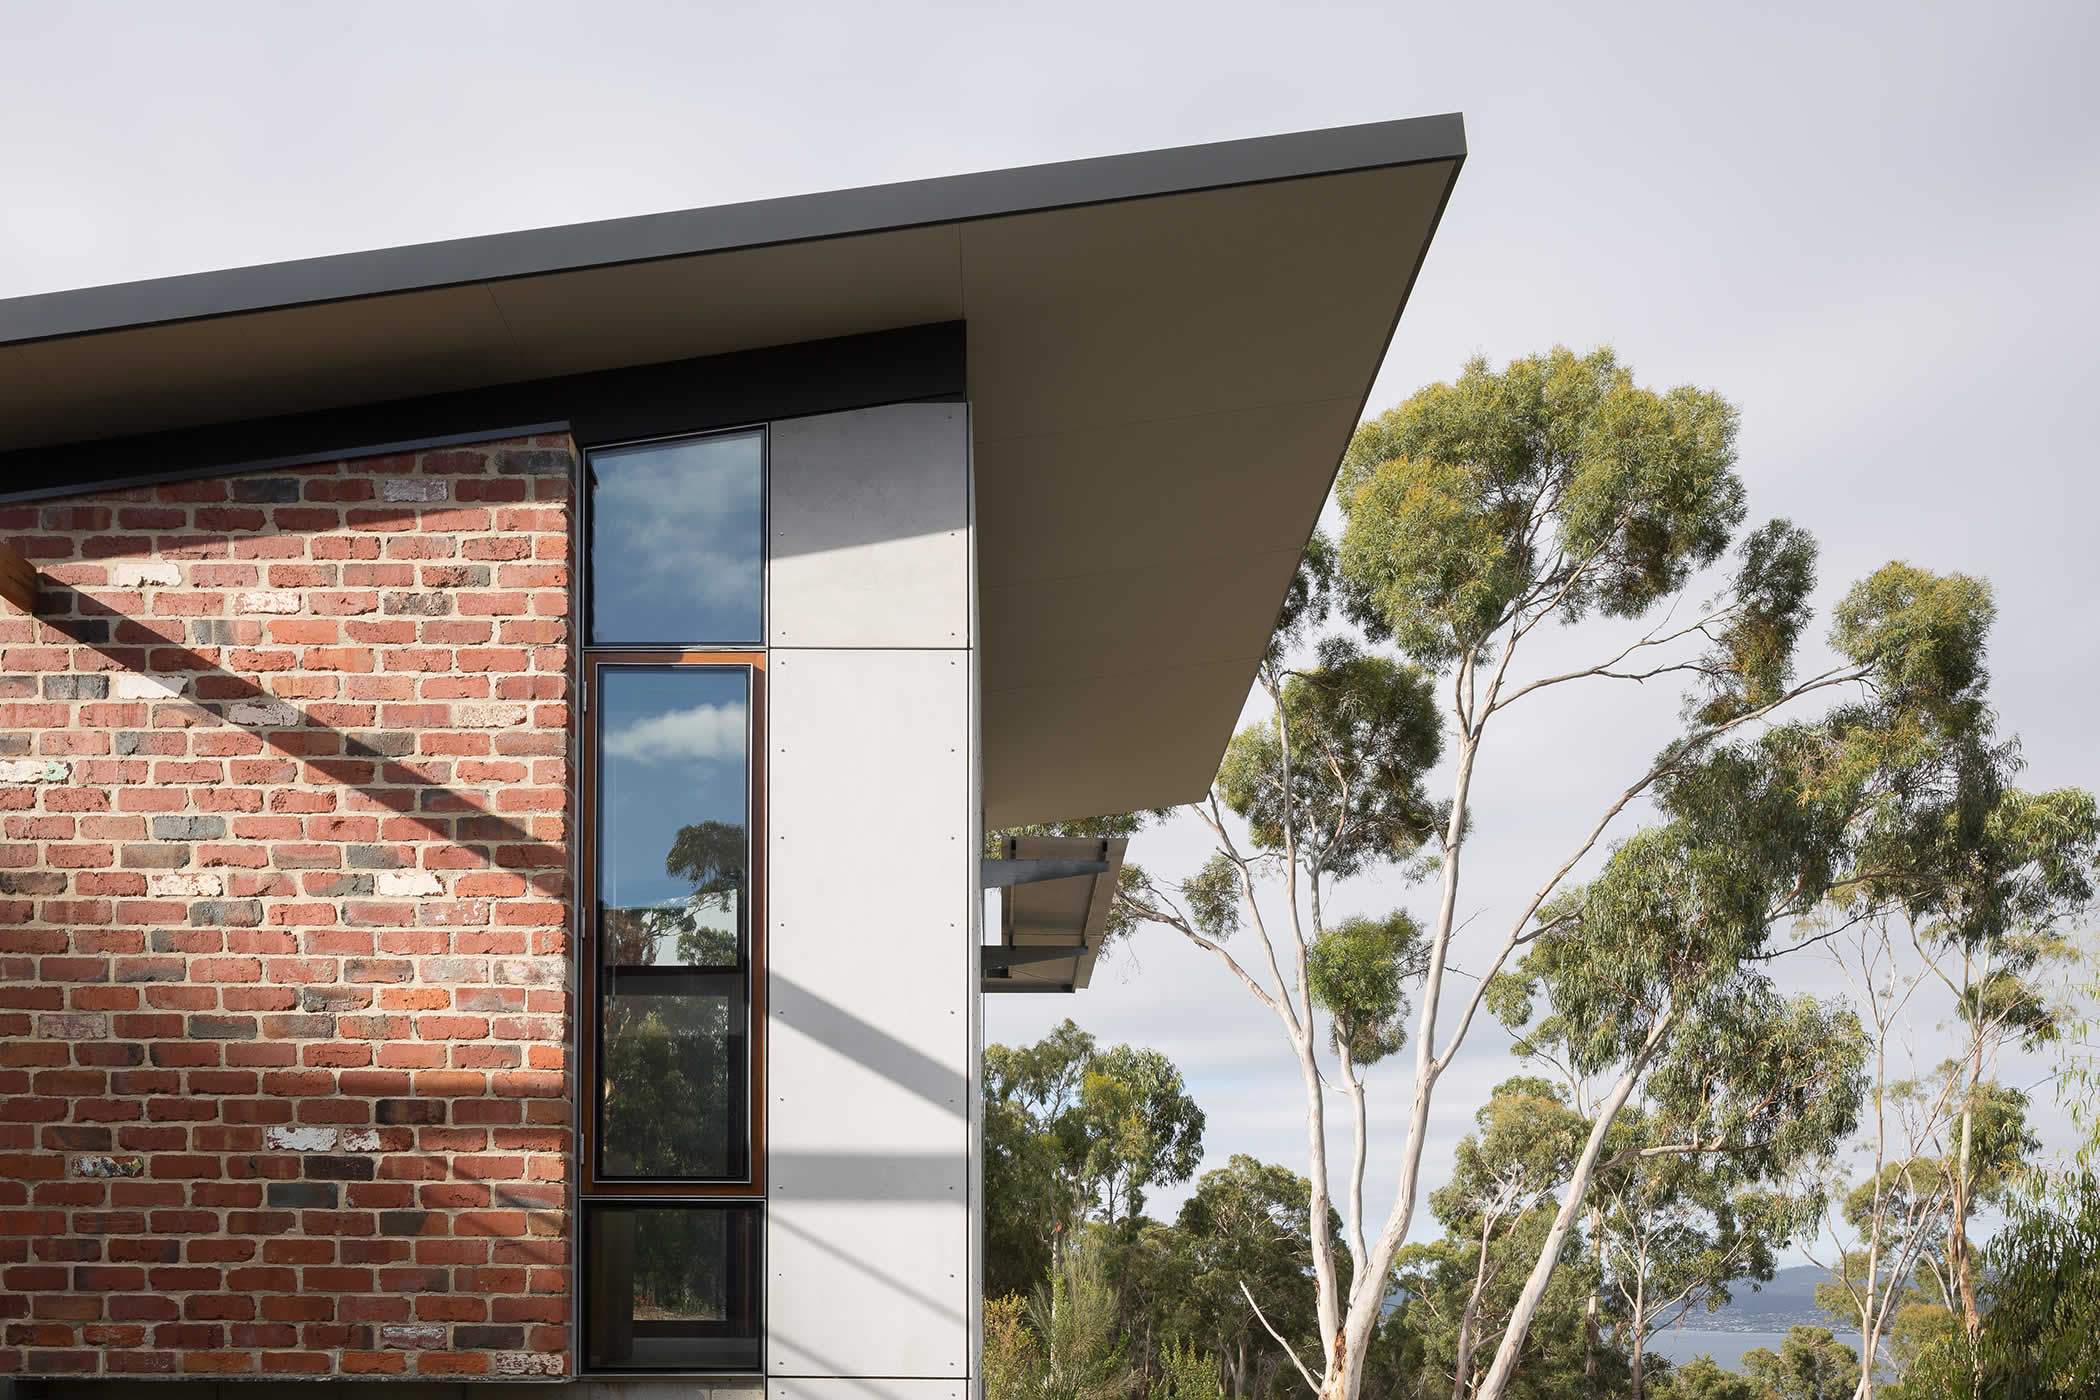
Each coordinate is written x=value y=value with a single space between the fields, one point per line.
x=2041 y=1337
x=1771 y=1081
x=1494 y=1209
x=1212 y=897
x=1923 y=633
x=1074 y=1318
x=1309 y=599
x=1073 y=1131
x=1185 y=1373
x=1918 y=1335
x=1439 y=1279
x=1140 y=1126
x=1358 y=971
x=1527 y=1140
x=1242 y=1231
x=1362 y=732
x=1702 y=1378
x=1752 y=660
x=1556 y=478
x=1011 y=1363
x=1810 y=1364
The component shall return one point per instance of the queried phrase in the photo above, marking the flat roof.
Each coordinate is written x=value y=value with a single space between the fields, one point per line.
x=1167 y=353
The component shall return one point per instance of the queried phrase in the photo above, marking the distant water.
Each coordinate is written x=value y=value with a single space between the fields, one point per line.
x=1727 y=1348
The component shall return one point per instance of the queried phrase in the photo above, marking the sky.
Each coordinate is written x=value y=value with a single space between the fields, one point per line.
x=1871 y=226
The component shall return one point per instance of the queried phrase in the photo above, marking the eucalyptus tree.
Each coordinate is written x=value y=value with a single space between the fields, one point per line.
x=1675 y=1232
x=1980 y=909
x=1329 y=786
x=1888 y=1226
x=1811 y=1364
x=1885 y=808
x=1504 y=1175
x=1702 y=1378
x=1075 y=1132
x=1559 y=492
x=1458 y=1313
x=2033 y=874
x=1245 y=1233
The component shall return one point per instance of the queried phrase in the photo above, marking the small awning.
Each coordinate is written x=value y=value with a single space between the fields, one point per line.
x=1054 y=899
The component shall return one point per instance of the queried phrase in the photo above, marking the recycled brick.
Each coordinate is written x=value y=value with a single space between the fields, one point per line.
x=284 y=1000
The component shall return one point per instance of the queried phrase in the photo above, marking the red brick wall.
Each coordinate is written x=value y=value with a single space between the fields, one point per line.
x=284 y=976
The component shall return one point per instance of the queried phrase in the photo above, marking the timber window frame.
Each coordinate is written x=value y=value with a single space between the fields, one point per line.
x=592 y=1180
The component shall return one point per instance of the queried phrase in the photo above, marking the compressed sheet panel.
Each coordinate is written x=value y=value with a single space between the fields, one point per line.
x=869 y=516
x=886 y=1388
x=869 y=985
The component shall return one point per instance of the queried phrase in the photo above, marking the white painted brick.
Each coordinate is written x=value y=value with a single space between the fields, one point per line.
x=181 y=885
x=526 y=972
x=32 y=770
x=274 y=601
x=300 y=1139
x=141 y=575
x=275 y=712
x=394 y=883
x=415 y=489
x=359 y=1139
x=488 y=716
x=137 y=685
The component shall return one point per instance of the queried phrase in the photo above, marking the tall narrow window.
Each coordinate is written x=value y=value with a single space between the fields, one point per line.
x=673 y=906
x=672 y=1129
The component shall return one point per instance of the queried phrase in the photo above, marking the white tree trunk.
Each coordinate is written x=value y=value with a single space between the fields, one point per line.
x=1505 y=1364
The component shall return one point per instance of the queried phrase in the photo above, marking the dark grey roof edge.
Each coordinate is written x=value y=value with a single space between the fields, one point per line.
x=797 y=218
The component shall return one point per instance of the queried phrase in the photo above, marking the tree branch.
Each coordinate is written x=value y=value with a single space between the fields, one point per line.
x=1288 y=1349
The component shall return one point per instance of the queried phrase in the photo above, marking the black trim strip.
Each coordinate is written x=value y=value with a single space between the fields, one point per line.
x=913 y=364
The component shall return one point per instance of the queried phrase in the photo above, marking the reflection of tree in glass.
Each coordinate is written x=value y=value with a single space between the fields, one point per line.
x=664 y=1060
x=667 y=1083
x=710 y=855
x=680 y=1265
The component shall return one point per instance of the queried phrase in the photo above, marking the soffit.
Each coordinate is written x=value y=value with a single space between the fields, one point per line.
x=1166 y=355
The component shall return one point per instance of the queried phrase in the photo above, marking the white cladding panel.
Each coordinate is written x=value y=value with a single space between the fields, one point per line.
x=869 y=518
x=868 y=995
x=871 y=1389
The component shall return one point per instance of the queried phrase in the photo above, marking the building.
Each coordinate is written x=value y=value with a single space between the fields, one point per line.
x=499 y=736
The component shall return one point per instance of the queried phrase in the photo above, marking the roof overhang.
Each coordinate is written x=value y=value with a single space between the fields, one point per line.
x=1167 y=353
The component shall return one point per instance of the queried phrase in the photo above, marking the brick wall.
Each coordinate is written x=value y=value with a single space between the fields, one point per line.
x=284 y=976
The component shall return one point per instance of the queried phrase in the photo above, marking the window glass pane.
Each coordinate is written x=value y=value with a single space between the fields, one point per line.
x=677 y=541
x=672 y=1287
x=673 y=1057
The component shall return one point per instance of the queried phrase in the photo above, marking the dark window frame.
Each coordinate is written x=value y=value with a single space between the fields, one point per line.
x=753 y=1272
x=587 y=644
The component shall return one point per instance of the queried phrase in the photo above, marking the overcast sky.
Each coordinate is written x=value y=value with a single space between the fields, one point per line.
x=1872 y=227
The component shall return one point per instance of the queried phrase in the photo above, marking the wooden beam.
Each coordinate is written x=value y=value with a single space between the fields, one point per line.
x=17 y=580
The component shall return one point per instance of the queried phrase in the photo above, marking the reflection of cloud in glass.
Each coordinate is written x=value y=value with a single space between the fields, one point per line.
x=676 y=541
x=701 y=733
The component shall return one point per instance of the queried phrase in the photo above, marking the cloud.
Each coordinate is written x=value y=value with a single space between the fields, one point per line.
x=701 y=733
x=685 y=517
